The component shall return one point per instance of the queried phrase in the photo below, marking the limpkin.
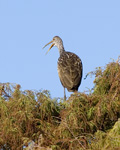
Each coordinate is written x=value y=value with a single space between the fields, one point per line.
x=69 y=67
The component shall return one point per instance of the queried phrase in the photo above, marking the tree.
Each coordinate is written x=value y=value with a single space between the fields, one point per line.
x=84 y=121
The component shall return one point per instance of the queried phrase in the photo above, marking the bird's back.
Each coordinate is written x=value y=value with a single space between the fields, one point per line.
x=70 y=71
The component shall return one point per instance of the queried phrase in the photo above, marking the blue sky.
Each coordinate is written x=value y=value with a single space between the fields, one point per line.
x=89 y=28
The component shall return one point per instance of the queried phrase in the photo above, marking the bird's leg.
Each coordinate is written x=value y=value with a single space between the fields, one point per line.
x=64 y=95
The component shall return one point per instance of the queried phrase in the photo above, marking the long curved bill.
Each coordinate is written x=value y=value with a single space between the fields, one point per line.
x=50 y=46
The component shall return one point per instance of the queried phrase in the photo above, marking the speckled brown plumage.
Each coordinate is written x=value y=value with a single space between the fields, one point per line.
x=70 y=71
x=69 y=67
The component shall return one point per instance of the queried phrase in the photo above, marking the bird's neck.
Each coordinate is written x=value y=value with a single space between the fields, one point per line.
x=61 y=49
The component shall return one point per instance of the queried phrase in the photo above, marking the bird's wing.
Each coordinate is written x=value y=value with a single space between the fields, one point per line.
x=70 y=70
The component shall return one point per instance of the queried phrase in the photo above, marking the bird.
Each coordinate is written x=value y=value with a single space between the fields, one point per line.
x=69 y=66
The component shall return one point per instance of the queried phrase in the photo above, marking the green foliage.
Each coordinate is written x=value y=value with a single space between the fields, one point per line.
x=32 y=119
x=107 y=140
x=25 y=115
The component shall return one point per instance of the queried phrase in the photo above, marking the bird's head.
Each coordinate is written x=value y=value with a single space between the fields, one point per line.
x=56 y=41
